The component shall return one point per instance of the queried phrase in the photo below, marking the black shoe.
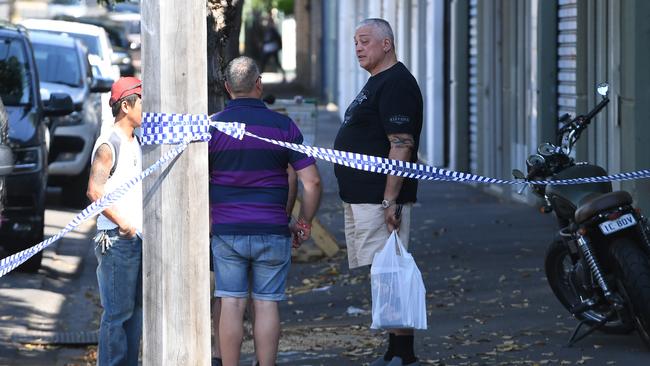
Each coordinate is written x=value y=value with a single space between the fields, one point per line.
x=216 y=361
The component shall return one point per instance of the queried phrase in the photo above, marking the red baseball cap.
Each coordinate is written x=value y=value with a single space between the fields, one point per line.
x=124 y=87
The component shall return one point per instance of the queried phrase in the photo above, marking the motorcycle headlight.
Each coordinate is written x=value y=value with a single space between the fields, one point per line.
x=27 y=160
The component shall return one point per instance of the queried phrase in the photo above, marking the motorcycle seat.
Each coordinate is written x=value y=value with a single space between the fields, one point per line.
x=600 y=203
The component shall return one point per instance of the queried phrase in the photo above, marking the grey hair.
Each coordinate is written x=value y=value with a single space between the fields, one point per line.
x=385 y=31
x=241 y=74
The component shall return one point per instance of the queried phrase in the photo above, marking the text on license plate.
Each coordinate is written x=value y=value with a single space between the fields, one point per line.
x=621 y=223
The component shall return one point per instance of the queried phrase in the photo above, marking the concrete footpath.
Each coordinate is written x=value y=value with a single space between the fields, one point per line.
x=488 y=301
x=49 y=318
x=481 y=258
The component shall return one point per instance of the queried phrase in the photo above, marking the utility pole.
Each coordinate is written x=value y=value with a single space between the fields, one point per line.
x=176 y=224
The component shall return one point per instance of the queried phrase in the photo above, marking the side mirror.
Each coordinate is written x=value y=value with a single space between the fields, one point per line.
x=101 y=85
x=602 y=89
x=59 y=104
x=518 y=174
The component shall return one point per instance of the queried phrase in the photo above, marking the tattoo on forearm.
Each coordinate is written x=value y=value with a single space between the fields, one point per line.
x=401 y=141
x=99 y=175
x=98 y=172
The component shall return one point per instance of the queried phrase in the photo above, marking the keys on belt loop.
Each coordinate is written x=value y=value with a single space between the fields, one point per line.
x=103 y=239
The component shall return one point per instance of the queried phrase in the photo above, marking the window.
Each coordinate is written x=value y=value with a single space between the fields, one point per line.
x=58 y=64
x=89 y=41
x=15 y=79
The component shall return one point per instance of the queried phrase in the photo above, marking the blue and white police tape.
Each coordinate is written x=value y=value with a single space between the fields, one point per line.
x=167 y=128
x=164 y=128
x=161 y=128
x=11 y=262
x=426 y=172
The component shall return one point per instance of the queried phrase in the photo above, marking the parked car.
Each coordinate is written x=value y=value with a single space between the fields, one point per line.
x=24 y=212
x=99 y=48
x=75 y=8
x=117 y=35
x=129 y=6
x=132 y=23
x=63 y=67
x=124 y=61
x=93 y=37
x=6 y=156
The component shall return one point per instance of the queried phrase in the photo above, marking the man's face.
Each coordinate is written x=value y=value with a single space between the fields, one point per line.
x=369 y=47
x=135 y=113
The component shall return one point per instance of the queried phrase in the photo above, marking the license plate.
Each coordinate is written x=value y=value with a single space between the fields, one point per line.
x=621 y=223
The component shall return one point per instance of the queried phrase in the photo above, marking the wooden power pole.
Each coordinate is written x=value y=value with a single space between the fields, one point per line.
x=176 y=223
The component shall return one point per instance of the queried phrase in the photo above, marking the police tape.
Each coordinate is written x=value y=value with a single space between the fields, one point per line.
x=165 y=128
x=426 y=172
x=162 y=128
x=10 y=263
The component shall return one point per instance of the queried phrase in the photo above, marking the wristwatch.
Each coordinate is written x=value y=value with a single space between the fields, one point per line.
x=386 y=203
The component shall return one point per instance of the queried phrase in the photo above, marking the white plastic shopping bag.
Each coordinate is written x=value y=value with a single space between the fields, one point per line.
x=398 y=293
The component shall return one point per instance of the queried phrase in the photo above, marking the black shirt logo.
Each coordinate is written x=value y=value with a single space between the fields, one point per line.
x=363 y=95
x=399 y=119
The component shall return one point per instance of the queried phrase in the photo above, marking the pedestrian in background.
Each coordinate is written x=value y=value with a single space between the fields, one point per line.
x=251 y=236
x=116 y=159
x=385 y=119
x=271 y=46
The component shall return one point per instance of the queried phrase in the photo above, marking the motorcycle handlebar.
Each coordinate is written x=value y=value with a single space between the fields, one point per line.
x=595 y=111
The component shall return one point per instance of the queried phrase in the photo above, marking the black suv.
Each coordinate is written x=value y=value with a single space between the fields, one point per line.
x=6 y=156
x=24 y=211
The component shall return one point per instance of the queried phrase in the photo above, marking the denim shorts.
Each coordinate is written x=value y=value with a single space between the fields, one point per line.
x=259 y=260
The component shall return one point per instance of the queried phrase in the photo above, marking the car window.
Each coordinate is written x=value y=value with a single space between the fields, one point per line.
x=15 y=78
x=57 y=64
x=91 y=42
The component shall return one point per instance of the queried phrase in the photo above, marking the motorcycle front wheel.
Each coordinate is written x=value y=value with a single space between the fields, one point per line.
x=633 y=282
x=559 y=266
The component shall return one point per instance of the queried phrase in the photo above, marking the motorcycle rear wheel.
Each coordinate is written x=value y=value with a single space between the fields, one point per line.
x=558 y=265
x=633 y=272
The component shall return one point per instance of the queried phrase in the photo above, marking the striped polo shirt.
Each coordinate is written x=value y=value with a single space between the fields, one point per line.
x=248 y=178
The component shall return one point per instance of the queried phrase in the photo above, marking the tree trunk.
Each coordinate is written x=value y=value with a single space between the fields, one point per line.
x=224 y=24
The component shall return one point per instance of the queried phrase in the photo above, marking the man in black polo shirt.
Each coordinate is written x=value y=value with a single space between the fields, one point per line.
x=385 y=119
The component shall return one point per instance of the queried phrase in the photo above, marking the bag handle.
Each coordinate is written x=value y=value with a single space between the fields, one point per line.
x=398 y=243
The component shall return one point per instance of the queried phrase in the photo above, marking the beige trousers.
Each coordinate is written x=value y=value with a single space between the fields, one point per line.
x=366 y=232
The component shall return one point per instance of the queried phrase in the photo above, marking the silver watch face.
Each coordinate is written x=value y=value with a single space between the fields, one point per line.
x=385 y=204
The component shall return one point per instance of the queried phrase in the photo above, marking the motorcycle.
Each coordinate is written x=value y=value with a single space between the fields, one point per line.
x=598 y=265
